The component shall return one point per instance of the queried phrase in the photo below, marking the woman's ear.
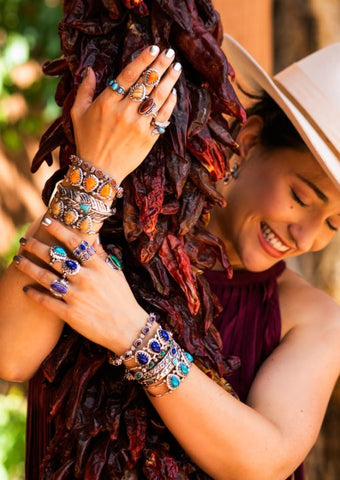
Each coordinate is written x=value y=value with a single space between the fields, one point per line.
x=249 y=134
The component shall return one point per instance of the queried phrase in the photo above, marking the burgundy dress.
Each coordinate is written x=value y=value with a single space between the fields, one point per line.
x=250 y=326
x=250 y=323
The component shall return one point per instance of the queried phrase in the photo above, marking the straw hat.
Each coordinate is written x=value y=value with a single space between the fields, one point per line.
x=308 y=92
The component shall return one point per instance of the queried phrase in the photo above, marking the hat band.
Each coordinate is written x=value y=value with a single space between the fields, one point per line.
x=312 y=103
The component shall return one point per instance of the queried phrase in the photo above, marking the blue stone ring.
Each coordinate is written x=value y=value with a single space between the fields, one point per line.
x=70 y=267
x=59 y=287
x=116 y=87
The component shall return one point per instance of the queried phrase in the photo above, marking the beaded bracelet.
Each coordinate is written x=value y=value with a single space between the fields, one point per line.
x=92 y=180
x=116 y=361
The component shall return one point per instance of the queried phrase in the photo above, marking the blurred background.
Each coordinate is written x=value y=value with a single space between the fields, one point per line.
x=276 y=32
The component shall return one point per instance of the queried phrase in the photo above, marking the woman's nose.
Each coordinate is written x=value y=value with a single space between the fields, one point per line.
x=306 y=234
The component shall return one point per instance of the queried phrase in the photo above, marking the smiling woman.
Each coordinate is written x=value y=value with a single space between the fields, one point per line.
x=125 y=366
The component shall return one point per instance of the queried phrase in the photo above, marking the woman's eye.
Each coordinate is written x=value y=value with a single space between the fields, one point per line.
x=331 y=226
x=297 y=198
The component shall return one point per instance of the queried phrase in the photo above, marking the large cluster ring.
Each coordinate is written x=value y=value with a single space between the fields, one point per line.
x=84 y=251
x=116 y=87
x=151 y=77
x=68 y=266
x=137 y=92
x=159 y=127
x=59 y=287
x=148 y=107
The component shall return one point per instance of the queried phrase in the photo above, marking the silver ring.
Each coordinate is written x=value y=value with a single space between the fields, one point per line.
x=84 y=251
x=151 y=77
x=148 y=107
x=137 y=92
x=113 y=262
x=57 y=254
x=116 y=87
x=59 y=287
x=70 y=267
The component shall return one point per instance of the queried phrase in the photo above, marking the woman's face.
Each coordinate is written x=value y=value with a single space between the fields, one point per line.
x=281 y=205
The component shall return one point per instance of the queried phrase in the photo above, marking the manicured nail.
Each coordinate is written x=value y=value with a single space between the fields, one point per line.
x=85 y=72
x=174 y=91
x=46 y=221
x=154 y=50
x=26 y=288
x=170 y=53
x=177 y=67
x=23 y=241
x=17 y=259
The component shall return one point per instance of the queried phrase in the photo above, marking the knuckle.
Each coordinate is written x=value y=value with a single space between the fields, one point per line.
x=73 y=242
x=128 y=76
x=43 y=277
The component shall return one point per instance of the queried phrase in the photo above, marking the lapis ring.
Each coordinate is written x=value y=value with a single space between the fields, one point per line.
x=59 y=287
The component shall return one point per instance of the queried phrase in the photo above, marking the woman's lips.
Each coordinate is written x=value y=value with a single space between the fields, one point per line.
x=271 y=242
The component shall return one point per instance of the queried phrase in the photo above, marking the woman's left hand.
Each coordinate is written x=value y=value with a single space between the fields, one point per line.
x=99 y=303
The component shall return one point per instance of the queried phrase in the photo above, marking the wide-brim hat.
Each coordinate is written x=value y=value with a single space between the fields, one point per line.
x=308 y=91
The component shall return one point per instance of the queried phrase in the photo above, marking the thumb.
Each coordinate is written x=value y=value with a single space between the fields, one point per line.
x=86 y=89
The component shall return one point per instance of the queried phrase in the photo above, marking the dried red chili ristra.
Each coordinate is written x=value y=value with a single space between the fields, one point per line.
x=201 y=178
x=177 y=262
x=163 y=244
x=192 y=206
x=206 y=149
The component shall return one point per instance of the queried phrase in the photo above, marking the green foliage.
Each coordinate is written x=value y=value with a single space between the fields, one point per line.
x=12 y=434
x=28 y=31
x=7 y=257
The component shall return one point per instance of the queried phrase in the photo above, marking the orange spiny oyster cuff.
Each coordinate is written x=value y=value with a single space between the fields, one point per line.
x=91 y=180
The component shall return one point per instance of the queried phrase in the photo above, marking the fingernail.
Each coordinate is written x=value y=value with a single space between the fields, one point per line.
x=154 y=50
x=85 y=72
x=25 y=288
x=177 y=67
x=46 y=221
x=170 y=53
x=23 y=241
x=174 y=91
x=17 y=259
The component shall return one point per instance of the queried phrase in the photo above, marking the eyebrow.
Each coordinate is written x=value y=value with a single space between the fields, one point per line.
x=316 y=189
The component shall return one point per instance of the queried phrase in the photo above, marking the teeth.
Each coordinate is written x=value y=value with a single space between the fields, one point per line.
x=272 y=238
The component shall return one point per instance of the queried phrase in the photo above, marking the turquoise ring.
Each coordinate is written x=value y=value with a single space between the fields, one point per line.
x=116 y=87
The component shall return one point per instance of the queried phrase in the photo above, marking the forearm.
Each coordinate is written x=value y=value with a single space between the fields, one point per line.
x=28 y=332
x=226 y=438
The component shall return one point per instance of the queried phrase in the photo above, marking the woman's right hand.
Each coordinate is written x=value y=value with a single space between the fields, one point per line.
x=109 y=132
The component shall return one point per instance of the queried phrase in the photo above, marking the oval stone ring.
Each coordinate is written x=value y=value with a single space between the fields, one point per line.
x=59 y=287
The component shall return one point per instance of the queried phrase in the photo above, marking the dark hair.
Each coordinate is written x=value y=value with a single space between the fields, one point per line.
x=278 y=131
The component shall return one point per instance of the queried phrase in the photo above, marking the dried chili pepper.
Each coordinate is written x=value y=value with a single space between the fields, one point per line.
x=104 y=427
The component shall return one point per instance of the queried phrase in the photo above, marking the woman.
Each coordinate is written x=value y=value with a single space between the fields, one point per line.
x=282 y=201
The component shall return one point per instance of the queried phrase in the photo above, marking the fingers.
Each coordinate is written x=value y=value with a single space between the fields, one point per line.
x=55 y=256
x=85 y=93
x=165 y=111
x=161 y=93
x=60 y=309
x=40 y=275
x=132 y=72
x=70 y=239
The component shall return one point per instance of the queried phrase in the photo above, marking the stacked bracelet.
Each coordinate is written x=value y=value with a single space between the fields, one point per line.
x=161 y=362
x=92 y=180
x=78 y=209
x=84 y=197
x=116 y=361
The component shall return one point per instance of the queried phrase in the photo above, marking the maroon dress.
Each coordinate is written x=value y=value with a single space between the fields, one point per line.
x=250 y=323
x=250 y=326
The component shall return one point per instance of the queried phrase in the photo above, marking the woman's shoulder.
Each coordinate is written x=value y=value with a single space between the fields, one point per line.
x=303 y=305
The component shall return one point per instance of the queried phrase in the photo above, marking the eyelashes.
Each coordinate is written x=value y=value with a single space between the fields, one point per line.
x=304 y=205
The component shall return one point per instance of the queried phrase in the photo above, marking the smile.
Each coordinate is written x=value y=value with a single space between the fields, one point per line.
x=273 y=240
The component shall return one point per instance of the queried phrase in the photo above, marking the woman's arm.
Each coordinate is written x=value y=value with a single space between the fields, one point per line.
x=267 y=438
x=107 y=130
